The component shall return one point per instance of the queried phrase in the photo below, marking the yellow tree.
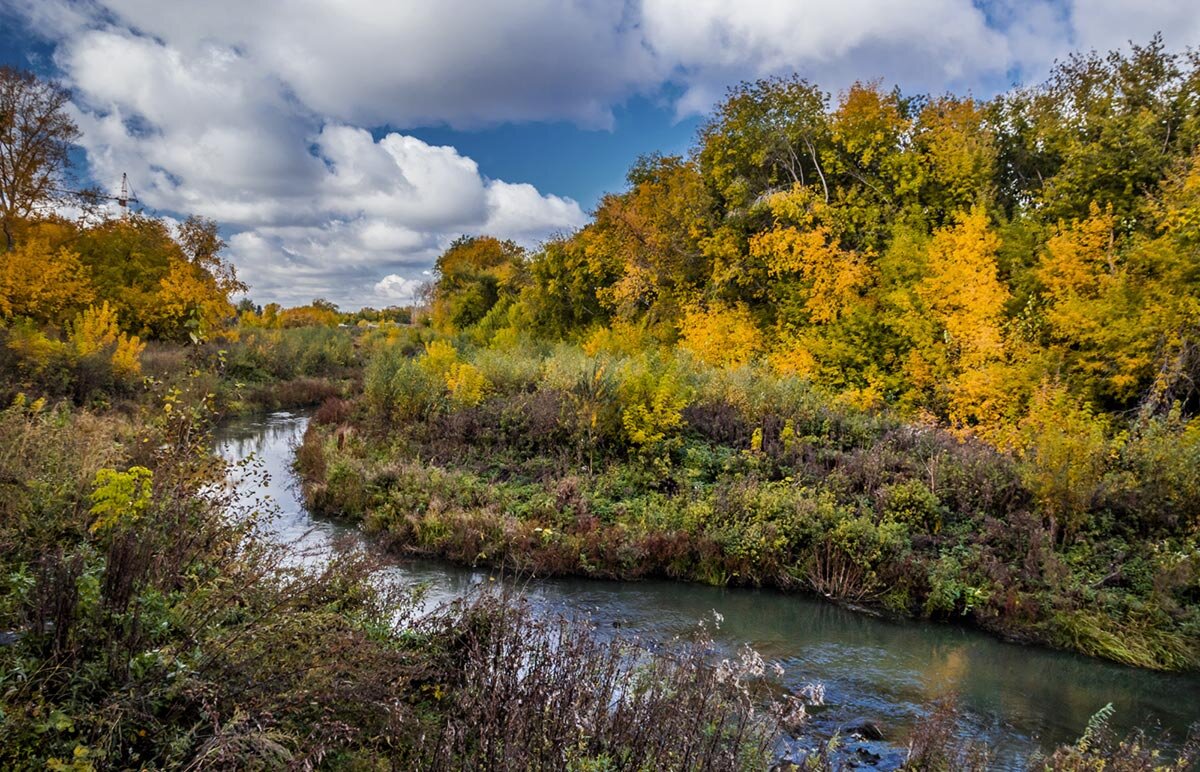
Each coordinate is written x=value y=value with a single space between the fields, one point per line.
x=965 y=299
x=818 y=291
x=653 y=232
x=960 y=155
x=95 y=331
x=190 y=303
x=720 y=335
x=45 y=284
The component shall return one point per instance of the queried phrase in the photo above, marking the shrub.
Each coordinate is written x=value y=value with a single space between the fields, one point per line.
x=466 y=384
x=509 y=370
x=653 y=395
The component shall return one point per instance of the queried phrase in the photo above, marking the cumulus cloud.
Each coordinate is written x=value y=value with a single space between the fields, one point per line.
x=267 y=115
x=921 y=43
x=398 y=288
x=316 y=206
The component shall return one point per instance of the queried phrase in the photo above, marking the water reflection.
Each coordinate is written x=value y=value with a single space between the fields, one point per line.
x=1018 y=698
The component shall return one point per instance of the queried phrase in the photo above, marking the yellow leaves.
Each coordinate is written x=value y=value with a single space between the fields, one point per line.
x=42 y=283
x=960 y=150
x=631 y=294
x=34 y=347
x=97 y=330
x=1179 y=211
x=120 y=497
x=466 y=385
x=306 y=316
x=126 y=356
x=621 y=337
x=836 y=277
x=720 y=335
x=985 y=400
x=1121 y=311
x=1066 y=445
x=1077 y=257
x=792 y=357
x=190 y=301
x=867 y=122
x=867 y=397
x=439 y=357
x=653 y=396
x=963 y=290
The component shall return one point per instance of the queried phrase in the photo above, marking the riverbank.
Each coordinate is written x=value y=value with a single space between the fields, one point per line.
x=1016 y=700
x=147 y=622
x=631 y=467
x=150 y=621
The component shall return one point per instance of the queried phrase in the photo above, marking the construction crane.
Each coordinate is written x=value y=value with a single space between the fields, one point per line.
x=124 y=198
x=126 y=195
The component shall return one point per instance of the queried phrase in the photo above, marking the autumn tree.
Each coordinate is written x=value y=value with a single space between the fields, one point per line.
x=43 y=283
x=766 y=136
x=566 y=279
x=36 y=134
x=1103 y=128
x=653 y=234
x=473 y=274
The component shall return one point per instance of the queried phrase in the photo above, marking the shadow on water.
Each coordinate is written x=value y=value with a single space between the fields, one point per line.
x=1018 y=698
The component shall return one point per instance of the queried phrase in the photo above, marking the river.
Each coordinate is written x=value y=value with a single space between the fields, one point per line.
x=1019 y=699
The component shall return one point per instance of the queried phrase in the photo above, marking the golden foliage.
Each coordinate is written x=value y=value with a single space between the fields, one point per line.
x=96 y=330
x=653 y=396
x=1075 y=262
x=43 y=283
x=1069 y=447
x=190 y=301
x=836 y=277
x=720 y=335
x=466 y=384
x=963 y=290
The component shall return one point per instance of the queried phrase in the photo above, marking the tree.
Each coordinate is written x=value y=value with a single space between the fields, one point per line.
x=473 y=275
x=35 y=136
x=654 y=233
x=765 y=136
x=42 y=283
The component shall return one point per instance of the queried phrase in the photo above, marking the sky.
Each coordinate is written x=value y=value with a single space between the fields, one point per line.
x=342 y=144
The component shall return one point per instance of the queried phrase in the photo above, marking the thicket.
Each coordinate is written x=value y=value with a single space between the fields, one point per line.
x=943 y=256
x=632 y=464
x=146 y=624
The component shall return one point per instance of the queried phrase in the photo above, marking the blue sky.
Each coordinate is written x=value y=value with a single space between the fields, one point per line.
x=343 y=143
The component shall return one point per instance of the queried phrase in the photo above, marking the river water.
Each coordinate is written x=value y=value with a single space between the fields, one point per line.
x=1019 y=699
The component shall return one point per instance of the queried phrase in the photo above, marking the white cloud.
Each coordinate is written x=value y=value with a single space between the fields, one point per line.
x=398 y=289
x=1107 y=24
x=254 y=112
x=921 y=43
x=320 y=207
